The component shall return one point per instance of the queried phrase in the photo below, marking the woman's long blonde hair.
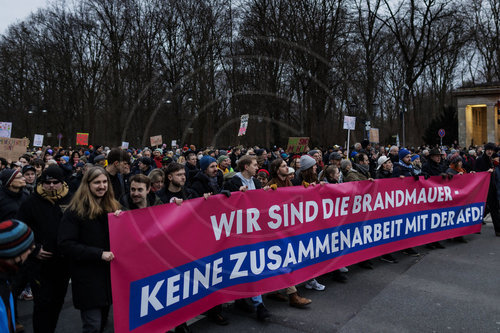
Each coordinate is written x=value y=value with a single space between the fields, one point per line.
x=85 y=205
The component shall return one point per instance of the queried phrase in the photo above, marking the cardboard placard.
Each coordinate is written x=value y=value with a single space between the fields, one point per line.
x=374 y=136
x=156 y=140
x=11 y=148
x=243 y=125
x=82 y=139
x=297 y=144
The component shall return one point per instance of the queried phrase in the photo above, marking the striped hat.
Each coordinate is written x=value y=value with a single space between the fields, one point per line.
x=7 y=176
x=15 y=238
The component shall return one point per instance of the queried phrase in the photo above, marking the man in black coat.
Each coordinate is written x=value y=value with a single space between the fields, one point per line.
x=484 y=163
x=174 y=190
x=191 y=167
x=433 y=166
x=207 y=179
x=42 y=212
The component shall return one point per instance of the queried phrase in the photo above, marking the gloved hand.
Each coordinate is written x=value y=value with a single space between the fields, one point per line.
x=415 y=177
x=226 y=193
x=426 y=176
x=450 y=176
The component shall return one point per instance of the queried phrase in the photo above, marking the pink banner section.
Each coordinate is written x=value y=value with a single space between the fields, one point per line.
x=175 y=262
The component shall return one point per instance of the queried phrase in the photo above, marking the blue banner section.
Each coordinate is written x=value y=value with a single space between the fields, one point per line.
x=165 y=292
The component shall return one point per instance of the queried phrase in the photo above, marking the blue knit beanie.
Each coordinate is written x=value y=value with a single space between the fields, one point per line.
x=206 y=161
x=403 y=153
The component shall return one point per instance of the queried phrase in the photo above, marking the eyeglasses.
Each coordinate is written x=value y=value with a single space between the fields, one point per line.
x=53 y=182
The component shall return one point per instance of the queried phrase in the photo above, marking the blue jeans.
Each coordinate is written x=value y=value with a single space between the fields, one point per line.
x=257 y=300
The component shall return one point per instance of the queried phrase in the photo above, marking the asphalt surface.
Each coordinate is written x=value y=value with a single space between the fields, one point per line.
x=456 y=289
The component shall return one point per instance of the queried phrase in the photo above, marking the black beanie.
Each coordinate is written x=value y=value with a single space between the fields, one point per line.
x=52 y=172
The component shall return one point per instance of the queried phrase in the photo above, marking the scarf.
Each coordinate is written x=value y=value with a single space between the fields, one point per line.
x=403 y=164
x=55 y=195
x=457 y=169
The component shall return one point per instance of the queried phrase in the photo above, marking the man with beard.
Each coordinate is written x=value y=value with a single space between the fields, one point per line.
x=43 y=212
x=207 y=180
x=174 y=190
x=140 y=194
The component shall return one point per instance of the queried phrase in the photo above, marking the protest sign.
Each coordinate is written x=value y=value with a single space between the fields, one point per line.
x=173 y=144
x=124 y=145
x=156 y=140
x=243 y=125
x=82 y=139
x=11 y=149
x=349 y=123
x=174 y=262
x=38 y=140
x=374 y=135
x=297 y=144
x=5 y=129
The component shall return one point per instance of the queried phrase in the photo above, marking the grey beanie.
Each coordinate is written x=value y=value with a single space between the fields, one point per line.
x=306 y=162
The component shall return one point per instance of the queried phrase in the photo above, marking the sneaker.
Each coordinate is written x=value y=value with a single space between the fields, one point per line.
x=411 y=252
x=19 y=328
x=26 y=294
x=262 y=312
x=343 y=269
x=182 y=328
x=389 y=258
x=313 y=284
x=218 y=319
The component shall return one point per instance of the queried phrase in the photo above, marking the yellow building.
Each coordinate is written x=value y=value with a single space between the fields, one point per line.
x=478 y=114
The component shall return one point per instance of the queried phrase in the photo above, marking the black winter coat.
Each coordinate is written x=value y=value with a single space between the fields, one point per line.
x=432 y=168
x=400 y=170
x=83 y=241
x=43 y=218
x=201 y=184
x=10 y=202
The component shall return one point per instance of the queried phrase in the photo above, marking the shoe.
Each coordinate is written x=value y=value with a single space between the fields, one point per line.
x=411 y=252
x=19 y=328
x=460 y=239
x=26 y=295
x=262 y=312
x=339 y=276
x=244 y=305
x=389 y=258
x=218 y=319
x=367 y=264
x=430 y=246
x=276 y=296
x=439 y=245
x=313 y=284
x=297 y=301
x=344 y=269
x=182 y=328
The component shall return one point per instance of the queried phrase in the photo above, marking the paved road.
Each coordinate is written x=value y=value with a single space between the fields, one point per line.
x=456 y=289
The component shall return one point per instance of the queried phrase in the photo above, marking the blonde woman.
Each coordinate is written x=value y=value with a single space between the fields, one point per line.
x=84 y=240
x=157 y=177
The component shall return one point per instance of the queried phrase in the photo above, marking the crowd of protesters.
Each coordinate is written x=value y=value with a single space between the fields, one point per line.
x=63 y=196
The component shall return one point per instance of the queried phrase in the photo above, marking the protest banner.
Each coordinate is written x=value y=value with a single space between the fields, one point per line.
x=38 y=140
x=243 y=125
x=297 y=144
x=82 y=139
x=175 y=262
x=156 y=140
x=5 y=129
x=11 y=149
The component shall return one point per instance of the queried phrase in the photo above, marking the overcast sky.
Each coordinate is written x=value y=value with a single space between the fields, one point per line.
x=12 y=11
